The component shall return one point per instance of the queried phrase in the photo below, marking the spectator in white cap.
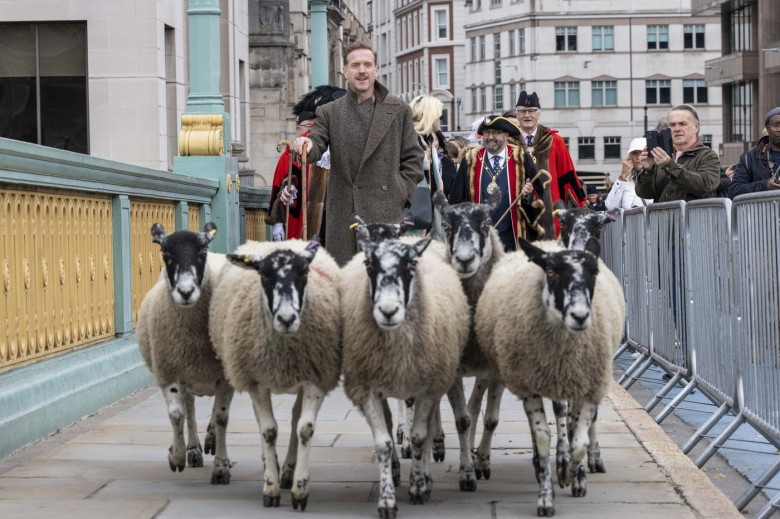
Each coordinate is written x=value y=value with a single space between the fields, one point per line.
x=623 y=192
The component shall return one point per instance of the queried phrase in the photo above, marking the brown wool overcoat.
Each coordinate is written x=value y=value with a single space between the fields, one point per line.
x=390 y=167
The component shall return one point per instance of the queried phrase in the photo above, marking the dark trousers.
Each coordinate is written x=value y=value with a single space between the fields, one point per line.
x=508 y=239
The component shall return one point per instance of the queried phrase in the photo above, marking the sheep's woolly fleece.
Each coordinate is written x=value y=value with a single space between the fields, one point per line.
x=253 y=353
x=532 y=350
x=419 y=357
x=174 y=340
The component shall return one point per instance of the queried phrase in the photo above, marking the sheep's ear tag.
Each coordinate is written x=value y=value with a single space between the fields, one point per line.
x=409 y=223
x=555 y=213
x=313 y=245
x=353 y=226
x=212 y=232
x=246 y=258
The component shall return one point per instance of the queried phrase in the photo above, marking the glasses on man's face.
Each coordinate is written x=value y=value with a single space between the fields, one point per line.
x=307 y=126
x=524 y=111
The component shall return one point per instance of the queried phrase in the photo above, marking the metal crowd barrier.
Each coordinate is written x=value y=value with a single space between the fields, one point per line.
x=702 y=287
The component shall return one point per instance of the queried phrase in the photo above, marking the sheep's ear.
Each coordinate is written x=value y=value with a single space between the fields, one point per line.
x=593 y=246
x=310 y=251
x=363 y=236
x=420 y=246
x=209 y=231
x=607 y=217
x=158 y=233
x=558 y=205
x=252 y=261
x=355 y=221
x=439 y=202
x=494 y=200
x=533 y=252
x=406 y=225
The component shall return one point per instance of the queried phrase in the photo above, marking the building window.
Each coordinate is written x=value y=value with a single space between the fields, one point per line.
x=441 y=24
x=511 y=43
x=693 y=36
x=442 y=67
x=657 y=37
x=566 y=141
x=473 y=49
x=497 y=72
x=43 y=84
x=512 y=93
x=495 y=3
x=707 y=140
x=612 y=148
x=740 y=29
x=694 y=91
x=474 y=100
x=497 y=45
x=565 y=39
x=482 y=99
x=586 y=148
x=482 y=47
x=521 y=40
x=658 y=92
x=498 y=97
x=567 y=93
x=603 y=37
x=604 y=93
x=741 y=111
x=444 y=122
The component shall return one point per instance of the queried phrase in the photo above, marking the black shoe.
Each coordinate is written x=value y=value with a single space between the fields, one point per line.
x=666 y=376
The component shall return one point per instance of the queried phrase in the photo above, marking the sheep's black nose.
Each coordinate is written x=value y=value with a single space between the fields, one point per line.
x=186 y=293
x=390 y=314
x=466 y=261
x=287 y=323
x=580 y=317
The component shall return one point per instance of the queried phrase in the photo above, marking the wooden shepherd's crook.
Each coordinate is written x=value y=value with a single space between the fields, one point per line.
x=289 y=183
x=304 y=201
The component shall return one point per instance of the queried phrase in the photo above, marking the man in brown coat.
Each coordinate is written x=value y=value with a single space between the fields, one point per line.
x=376 y=162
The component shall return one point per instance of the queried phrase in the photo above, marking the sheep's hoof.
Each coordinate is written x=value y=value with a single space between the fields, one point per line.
x=545 y=511
x=194 y=457
x=271 y=501
x=210 y=443
x=396 y=469
x=579 y=484
x=388 y=513
x=399 y=435
x=286 y=481
x=302 y=502
x=220 y=477
x=174 y=463
x=406 y=452
x=468 y=484
x=438 y=449
x=596 y=464
x=478 y=473
x=562 y=468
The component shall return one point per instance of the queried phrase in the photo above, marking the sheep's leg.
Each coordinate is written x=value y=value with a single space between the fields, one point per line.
x=394 y=463
x=457 y=398
x=261 y=402
x=194 y=450
x=210 y=443
x=563 y=448
x=537 y=420
x=482 y=455
x=174 y=399
x=288 y=469
x=383 y=443
x=220 y=473
x=475 y=406
x=419 y=478
x=406 y=446
x=582 y=413
x=312 y=401
x=595 y=462
x=438 y=436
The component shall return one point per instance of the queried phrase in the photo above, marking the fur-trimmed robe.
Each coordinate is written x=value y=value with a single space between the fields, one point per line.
x=529 y=220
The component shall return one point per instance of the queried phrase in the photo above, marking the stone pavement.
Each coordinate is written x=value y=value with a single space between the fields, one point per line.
x=114 y=465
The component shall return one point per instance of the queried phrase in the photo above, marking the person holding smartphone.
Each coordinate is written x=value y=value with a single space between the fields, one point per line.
x=691 y=172
x=758 y=168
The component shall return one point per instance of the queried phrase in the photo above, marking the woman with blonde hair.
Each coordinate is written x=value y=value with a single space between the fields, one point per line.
x=426 y=112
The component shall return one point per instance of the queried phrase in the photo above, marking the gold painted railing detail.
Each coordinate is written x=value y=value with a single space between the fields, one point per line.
x=53 y=231
x=147 y=260
x=255 y=224
x=194 y=218
x=201 y=135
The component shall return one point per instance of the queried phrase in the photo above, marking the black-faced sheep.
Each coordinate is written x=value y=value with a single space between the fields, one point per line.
x=276 y=324
x=406 y=321
x=551 y=325
x=173 y=337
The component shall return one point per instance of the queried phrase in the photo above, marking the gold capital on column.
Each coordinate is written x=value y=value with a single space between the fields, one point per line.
x=201 y=135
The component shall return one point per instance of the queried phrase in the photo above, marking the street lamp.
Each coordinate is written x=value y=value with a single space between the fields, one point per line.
x=457 y=117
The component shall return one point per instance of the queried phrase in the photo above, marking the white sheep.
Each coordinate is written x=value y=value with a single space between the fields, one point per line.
x=551 y=332
x=406 y=321
x=275 y=322
x=173 y=337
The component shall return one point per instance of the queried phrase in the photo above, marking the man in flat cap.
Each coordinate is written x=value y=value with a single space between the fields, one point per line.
x=758 y=168
x=549 y=152
x=496 y=165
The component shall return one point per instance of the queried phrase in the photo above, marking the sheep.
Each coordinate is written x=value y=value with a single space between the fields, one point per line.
x=406 y=321
x=472 y=249
x=551 y=333
x=173 y=338
x=275 y=322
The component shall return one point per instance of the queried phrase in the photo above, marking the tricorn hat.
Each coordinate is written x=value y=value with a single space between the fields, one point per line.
x=528 y=100
x=496 y=122
x=305 y=116
x=309 y=102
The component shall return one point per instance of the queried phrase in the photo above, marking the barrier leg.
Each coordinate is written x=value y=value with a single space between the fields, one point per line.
x=687 y=390
x=630 y=369
x=705 y=428
x=756 y=487
x=633 y=378
x=720 y=440
x=770 y=508
x=619 y=352
x=662 y=393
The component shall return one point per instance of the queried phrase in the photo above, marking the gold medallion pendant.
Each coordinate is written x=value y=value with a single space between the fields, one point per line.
x=491 y=187
x=530 y=149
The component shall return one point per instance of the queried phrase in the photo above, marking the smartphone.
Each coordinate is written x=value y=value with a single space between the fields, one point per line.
x=653 y=137
x=662 y=139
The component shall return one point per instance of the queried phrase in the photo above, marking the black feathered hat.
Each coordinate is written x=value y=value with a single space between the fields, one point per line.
x=528 y=100
x=496 y=122
x=309 y=102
